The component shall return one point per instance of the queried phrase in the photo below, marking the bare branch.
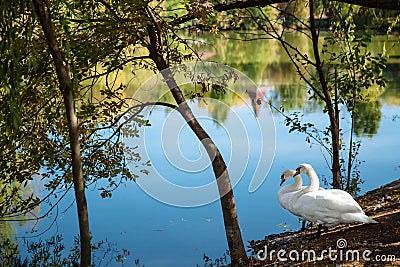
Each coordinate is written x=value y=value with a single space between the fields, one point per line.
x=318 y=140
x=286 y=46
x=140 y=108
x=385 y=4
x=119 y=66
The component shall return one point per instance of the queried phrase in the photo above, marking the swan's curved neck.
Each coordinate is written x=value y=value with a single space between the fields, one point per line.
x=314 y=181
x=298 y=182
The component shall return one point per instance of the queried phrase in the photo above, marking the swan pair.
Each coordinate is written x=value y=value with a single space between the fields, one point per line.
x=327 y=207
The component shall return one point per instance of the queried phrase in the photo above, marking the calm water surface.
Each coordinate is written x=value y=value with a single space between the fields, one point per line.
x=162 y=235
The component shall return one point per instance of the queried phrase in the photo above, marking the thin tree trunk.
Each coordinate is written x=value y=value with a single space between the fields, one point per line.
x=232 y=228
x=72 y=121
x=350 y=158
x=334 y=121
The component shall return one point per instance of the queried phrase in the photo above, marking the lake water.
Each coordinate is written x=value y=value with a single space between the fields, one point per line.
x=160 y=234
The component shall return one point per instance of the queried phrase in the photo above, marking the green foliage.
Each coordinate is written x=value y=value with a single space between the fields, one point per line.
x=97 y=39
x=9 y=253
x=356 y=78
x=349 y=73
x=28 y=107
x=352 y=68
x=353 y=179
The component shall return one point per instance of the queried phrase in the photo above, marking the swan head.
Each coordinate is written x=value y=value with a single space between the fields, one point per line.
x=286 y=175
x=303 y=168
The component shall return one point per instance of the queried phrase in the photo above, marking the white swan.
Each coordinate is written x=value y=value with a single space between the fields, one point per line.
x=326 y=207
x=287 y=193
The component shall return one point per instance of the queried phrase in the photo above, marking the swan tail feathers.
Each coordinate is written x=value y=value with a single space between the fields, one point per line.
x=357 y=217
x=371 y=220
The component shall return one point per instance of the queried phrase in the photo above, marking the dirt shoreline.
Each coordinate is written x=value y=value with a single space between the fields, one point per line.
x=344 y=245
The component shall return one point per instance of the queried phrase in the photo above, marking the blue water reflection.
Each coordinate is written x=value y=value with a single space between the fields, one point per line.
x=163 y=235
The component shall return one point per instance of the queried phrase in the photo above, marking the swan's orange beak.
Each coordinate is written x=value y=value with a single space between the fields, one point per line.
x=297 y=172
x=282 y=180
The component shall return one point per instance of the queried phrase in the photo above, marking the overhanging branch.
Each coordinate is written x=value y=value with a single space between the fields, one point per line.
x=140 y=108
x=385 y=4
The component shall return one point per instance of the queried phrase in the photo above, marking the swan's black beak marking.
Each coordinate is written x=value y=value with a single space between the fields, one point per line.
x=297 y=172
x=282 y=180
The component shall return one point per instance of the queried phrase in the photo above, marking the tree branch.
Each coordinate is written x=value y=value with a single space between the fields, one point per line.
x=140 y=106
x=275 y=35
x=385 y=4
x=317 y=139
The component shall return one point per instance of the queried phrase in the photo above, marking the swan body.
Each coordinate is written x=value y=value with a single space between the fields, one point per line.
x=327 y=207
x=286 y=193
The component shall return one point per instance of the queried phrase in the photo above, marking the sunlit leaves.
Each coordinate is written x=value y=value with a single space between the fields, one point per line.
x=92 y=36
x=353 y=70
x=96 y=39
